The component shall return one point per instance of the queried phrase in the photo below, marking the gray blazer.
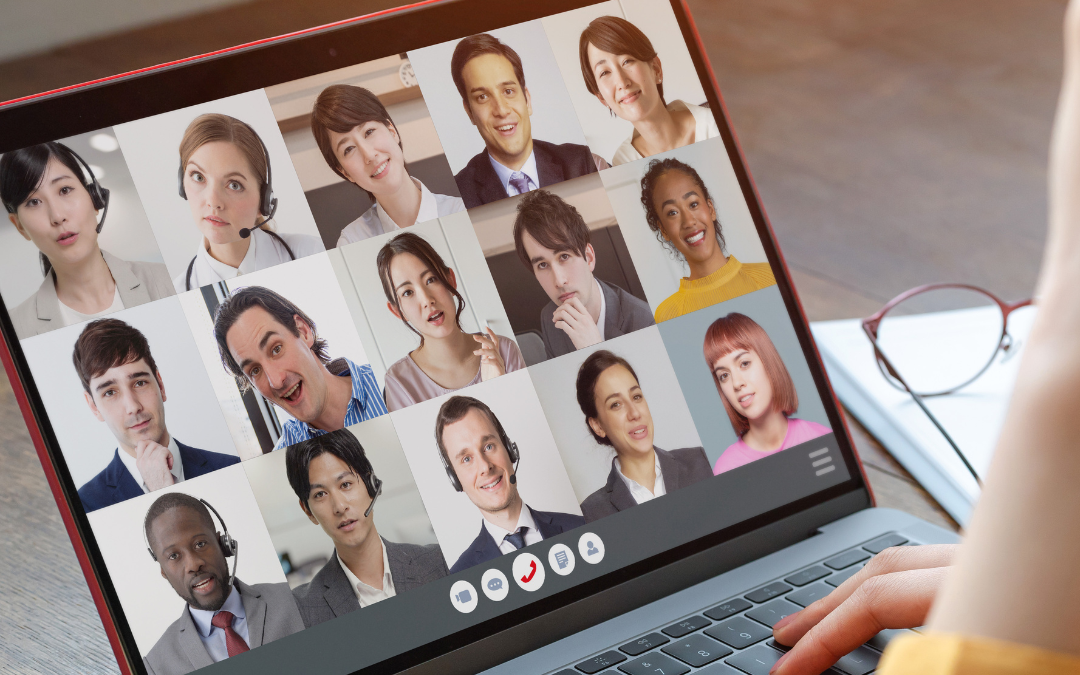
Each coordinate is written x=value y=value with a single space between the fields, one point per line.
x=138 y=283
x=329 y=594
x=271 y=614
x=625 y=314
x=679 y=467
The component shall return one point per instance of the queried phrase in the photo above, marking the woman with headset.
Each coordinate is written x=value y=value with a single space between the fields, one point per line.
x=54 y=200
x=226 y=178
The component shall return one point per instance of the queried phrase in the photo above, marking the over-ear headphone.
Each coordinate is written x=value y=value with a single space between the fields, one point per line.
x=227 y=543
x=267 y=203
x=99 y=196
x=511 y=450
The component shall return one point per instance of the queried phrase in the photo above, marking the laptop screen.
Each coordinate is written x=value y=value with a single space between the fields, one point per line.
x=355 y=368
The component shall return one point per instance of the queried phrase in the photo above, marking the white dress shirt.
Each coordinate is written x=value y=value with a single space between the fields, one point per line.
x=602 y=318
x=133 y=468
x=368 y=595
x=70 y=316
x=524 y=520
x=639 y=492
x=505 y=173
x=213 y=638
x=376 y=220
x=264 y=251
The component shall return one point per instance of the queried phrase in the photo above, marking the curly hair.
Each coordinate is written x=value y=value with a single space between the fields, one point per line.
x=656 y=170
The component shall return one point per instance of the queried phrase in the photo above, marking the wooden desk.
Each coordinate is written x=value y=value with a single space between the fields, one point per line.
x=893 y=144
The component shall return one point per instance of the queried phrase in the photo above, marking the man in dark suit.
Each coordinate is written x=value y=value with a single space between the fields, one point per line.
x=481 y=461
x=224 y=616
x=552 y=240
x=489 y=76
x=337 y=487
x=124 y=390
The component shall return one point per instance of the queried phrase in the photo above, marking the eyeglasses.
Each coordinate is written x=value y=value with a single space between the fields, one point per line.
x=941 y=337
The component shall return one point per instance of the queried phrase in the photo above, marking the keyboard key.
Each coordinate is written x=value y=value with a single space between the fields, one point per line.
x=644 y=644
x=859 y=662
x=697 y=650
x=739 y=632
x=654 y=663
x=729 y=608
x=677 y=630
x=598 y=663
x=804 y=597
x=847 y=559
x=882 y=543
x=766 y=593
x=755 y=661
x=841 y=577
x=808 y=575
x=772 y=612
x=882 y=639
x=719 y=669
x=567 y=672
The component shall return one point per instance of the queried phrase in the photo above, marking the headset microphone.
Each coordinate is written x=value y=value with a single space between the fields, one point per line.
x=245 y=232
x=378 y=491
x=516 y=456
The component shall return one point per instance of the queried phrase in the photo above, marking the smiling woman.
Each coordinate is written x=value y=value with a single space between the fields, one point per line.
x=54 y=205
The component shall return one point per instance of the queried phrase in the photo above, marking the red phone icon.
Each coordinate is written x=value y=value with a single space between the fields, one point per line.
x=532 y=572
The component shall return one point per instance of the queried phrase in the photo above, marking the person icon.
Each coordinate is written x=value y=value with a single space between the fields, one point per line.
x=592 y=549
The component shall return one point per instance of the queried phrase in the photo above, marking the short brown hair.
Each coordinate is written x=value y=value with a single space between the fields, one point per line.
x=552 y=222
x=454 y=409
x=410 y=242
x=587 y=376
x=614 y=35
x=478 y=45
x=108 y=343
x=738 y=331
x=215 y=127
x=341 y=108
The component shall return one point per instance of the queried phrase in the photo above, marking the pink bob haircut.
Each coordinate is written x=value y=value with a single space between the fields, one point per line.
x=736 y=332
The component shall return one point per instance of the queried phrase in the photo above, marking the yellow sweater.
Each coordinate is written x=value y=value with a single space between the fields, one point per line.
x=945 y=654
x=730 y=281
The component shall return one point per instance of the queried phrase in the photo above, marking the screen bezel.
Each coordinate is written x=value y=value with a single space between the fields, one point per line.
x=168 y=87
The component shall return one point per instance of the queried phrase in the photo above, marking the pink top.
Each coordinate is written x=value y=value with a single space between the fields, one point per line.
x=406 y=384
x=739 y=453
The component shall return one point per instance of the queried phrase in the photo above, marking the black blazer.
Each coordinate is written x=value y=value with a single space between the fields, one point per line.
x=484 y=547
x=624 y=314
x=679 y=467
x=479 y=184
x=116 y=484
x=329 y=594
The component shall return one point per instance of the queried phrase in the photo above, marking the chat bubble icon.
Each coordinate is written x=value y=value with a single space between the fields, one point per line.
x=494 y=584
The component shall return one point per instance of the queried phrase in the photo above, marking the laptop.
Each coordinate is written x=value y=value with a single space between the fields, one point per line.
x=449 y=339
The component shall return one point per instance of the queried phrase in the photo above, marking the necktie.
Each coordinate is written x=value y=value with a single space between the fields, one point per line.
x=519 y=182
x=517 y=539
x=233 y=642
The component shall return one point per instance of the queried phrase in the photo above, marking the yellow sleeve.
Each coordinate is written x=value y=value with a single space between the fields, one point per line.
x=760 y=273
x=947 y=654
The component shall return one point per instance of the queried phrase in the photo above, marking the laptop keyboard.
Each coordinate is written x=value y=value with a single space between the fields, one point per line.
x=735 y=636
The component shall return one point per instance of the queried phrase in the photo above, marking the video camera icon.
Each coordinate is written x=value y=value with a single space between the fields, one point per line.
x=463 y=596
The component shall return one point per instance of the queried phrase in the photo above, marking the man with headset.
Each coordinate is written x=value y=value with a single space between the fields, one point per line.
x=224 y=616
x=481 y=461
x=337 y=488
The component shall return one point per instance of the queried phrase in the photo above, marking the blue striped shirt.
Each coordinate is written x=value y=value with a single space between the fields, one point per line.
x=366 y=403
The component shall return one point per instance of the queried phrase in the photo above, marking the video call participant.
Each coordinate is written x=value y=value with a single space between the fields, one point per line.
x=481 y=461
x=681 y=212
x=758 y=393
x=124 y=389
x=617 y=414
x=54 y=205
x=337 y=488
x=421 y=290
x=552 y=240
x=623 y=71
x=360 y=143
x=226 y=178
x=489 y=76
x=224 y=616
x=267 y=342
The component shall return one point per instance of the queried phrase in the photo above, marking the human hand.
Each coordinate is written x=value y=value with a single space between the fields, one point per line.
x=572 y=318
x=894 y=590
x=155 y=463
x=491 y=361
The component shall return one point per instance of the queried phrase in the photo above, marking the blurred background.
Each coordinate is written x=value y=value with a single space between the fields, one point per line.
x=892 y=144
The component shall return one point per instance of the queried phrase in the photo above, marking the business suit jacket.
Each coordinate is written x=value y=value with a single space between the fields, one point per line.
x=138 y=283
x=271 y=614
x=479 y=184
x=329 y=595
x=116 y=484
x=624 y=314
x=679 y=467
x=484 y=548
